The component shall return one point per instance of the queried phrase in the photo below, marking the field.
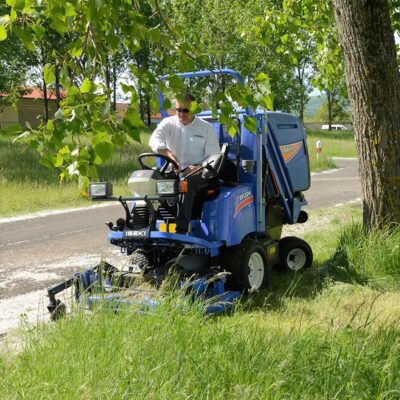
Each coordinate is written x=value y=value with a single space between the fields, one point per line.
x=31 y=187
x=329 y=332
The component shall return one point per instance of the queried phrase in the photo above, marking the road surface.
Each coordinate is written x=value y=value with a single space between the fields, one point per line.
x=36 y=252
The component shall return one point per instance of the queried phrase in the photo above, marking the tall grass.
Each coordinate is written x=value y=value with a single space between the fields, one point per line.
x=373 y=258
x=170 y=356
x=319 y=334
x=27 y=186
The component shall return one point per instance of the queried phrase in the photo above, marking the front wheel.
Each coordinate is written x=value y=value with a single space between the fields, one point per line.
x=248 y=265
x=295 y=254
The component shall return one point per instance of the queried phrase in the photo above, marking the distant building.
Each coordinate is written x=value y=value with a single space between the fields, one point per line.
x=30 y=108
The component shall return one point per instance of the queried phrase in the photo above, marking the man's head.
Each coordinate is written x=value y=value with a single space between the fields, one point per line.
x=182 y=108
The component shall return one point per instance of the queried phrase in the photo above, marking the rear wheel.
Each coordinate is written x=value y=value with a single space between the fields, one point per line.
x=248 y=265
x=295 y=254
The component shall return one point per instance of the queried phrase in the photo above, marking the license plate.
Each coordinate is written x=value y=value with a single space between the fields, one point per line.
x=137 y=233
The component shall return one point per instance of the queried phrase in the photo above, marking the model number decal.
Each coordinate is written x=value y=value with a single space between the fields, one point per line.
x=244 y=195
x=244 y=200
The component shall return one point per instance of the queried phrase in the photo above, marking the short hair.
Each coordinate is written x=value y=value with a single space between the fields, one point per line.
x=189 y=97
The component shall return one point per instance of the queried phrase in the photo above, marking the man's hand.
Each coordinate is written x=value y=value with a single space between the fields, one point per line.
x=190 y=169
x=171 y=155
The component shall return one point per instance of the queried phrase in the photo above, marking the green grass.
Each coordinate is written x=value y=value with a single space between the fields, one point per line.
x=334 y=144
x=30 y=187
x=320 y=334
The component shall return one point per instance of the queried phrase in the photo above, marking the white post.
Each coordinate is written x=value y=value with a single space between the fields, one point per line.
x=318 y=148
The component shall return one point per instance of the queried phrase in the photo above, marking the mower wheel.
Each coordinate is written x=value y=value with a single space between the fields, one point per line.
x=248 y=264
x=59 y=311
x=139 y=258
x=295 y=254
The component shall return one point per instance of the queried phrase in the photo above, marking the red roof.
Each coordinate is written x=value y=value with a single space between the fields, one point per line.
x=36 y=93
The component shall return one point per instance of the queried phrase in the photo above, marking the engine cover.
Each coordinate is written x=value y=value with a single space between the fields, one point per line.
x=143 y=182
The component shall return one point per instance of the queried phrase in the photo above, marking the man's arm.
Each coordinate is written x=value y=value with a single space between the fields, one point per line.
x=158 y=140
x=167 y=152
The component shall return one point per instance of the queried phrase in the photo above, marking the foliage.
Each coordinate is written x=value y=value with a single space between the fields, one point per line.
x=14 y=64
x=339 y=112
x=84 y=132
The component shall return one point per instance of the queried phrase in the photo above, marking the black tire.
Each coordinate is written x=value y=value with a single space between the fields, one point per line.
x=139 y=258
x=248 y=264
x=295 y=254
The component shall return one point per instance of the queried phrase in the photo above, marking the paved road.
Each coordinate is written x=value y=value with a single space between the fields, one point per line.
x=339 y=186
x=36 y=252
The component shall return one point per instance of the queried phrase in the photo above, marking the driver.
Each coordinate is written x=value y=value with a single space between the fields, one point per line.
x=188 y=140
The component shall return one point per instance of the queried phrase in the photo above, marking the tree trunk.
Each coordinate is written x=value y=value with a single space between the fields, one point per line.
x=148 y=110
x=329 y=99
x=45 y=101
x=373 y=83
x=114 y=73
x=58 y=94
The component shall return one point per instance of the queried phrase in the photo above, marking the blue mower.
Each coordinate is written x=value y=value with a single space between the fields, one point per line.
x=256 y=186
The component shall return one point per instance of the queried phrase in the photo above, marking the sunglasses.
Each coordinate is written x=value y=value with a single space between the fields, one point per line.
x=182 y=110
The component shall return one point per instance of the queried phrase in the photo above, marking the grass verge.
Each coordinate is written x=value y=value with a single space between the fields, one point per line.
x=31 y=187
x=334 y=144
x=319 y=334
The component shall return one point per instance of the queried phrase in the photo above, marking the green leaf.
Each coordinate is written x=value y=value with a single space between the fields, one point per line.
x=64 y=78
x=155 y=35
x=59 y=161
x=232 y=131
x=26 y=38
x=50 y=126
x=59 y=114
x=284 y=39
x=65 y=150
x=102 y=137
x=69 y=10
x=86 y=86
x=104 y=151
x=49 y=74
x=76 y=48
x=59 y=26
x=17 y=4
x=134 y=134
x=22 y=136
x=250 y=123
x=132 y=118
x=3 y=33
x=176 y=83
x=48 y=160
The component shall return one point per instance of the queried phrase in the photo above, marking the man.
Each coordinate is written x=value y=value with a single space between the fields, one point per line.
x=188 y=140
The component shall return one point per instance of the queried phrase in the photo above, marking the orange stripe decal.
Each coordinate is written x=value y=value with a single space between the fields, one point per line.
x=290 y=150
x=242 y=204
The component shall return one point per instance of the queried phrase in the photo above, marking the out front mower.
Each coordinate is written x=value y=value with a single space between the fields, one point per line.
x=254 y=187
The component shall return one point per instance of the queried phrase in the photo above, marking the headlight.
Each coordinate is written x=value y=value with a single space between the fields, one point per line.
x=100 y=189
x=167 y=187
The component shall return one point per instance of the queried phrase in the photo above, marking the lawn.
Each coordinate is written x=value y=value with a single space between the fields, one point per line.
x=331 y=331
x=31 y=187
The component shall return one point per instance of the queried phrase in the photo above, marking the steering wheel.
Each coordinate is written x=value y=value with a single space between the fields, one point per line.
x=214 y=163
x=168 y=161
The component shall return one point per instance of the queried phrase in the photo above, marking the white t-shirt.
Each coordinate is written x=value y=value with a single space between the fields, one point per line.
x=191 y=143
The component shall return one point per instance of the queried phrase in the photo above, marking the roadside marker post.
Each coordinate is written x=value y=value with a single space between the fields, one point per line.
x=318 y=148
